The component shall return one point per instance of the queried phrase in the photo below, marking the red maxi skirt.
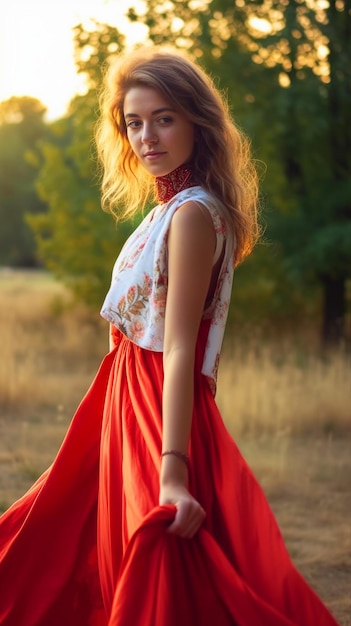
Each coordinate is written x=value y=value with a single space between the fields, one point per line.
x=87 y=544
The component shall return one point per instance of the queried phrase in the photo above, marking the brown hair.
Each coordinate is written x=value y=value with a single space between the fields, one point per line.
x=221 y=163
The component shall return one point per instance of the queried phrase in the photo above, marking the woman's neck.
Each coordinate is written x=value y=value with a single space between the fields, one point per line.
x=169 y=185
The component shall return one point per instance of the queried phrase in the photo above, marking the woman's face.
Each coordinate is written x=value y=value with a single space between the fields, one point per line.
x=160 y=137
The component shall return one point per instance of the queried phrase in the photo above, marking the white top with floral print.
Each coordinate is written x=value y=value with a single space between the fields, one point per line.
x=136 y=300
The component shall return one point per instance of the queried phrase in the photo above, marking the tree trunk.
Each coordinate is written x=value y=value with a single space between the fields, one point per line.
x=334 y=310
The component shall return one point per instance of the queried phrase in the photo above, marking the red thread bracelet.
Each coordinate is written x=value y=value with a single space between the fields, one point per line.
x=180 y=455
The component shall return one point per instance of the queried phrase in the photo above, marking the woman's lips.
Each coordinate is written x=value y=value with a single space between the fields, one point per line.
x=152 y=156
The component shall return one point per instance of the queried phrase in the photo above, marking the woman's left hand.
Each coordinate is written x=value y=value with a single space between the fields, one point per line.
x=190 y=514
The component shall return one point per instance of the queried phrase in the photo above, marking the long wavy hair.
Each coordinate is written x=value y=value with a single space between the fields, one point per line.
x=221 y=163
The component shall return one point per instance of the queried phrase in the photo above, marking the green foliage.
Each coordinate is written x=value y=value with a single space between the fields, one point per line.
x=264 y=293
x=285 y=67
x=314 y=144
x=294 y=103
x=76 y=240
x=92 y=47
x=23 y=110
x=21 y=128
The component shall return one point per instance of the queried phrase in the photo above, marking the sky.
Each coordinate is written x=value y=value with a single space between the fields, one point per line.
x=36 y=47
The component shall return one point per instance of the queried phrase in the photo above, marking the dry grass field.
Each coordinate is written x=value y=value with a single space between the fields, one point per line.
x=289 y=410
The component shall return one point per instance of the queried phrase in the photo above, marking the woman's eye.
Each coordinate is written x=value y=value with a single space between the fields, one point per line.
x=133 y=124
x=165 y=120
x=162 y=121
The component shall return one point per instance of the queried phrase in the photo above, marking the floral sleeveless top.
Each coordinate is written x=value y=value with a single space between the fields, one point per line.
x=136 y=300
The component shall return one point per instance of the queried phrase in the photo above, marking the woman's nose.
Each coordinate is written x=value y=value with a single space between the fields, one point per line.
x=148 y=134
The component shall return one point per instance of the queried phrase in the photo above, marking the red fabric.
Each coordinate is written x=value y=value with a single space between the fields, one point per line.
x=88 y=544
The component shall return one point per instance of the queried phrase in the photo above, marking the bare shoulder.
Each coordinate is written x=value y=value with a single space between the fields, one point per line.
x=193 y=217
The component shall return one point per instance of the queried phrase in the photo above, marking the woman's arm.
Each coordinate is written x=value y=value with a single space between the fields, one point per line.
x=110 y=338
x=191 y=247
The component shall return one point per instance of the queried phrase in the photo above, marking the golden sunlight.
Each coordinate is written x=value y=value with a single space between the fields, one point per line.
x=36 y=47
x=261 y=25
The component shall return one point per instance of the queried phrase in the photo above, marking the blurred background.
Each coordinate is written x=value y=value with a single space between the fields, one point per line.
x=285 y=67
x=284 y=381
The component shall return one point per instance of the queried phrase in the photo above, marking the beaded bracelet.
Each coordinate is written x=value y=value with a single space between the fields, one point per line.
x=180 y=455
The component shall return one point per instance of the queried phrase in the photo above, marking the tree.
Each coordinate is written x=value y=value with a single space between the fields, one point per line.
x=287 y=71
x=76 y=240
x=314 y=113
x=22 y=126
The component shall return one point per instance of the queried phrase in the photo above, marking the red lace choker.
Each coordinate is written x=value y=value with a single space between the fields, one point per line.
x=167 y=186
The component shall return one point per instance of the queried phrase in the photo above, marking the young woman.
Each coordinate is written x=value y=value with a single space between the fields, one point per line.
x=149 y=516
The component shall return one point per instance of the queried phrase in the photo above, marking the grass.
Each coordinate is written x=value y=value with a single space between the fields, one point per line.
x=279 y=388
x=288 y=408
